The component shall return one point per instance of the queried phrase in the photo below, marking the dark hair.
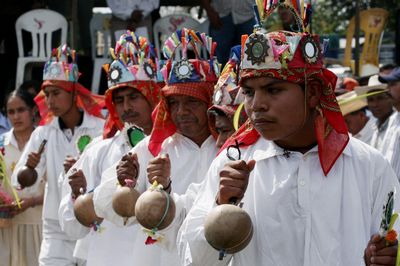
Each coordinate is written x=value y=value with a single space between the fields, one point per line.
x=30 y=84
x=216 y=112
x=387 y=67
x=23 y=95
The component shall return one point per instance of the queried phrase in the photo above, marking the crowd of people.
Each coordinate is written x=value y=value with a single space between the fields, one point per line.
x=309 y=159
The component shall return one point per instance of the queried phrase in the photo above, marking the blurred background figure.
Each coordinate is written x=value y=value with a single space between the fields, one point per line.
x=33 y=88
x=132 y=14
x=345 y=85
x=227 y=100
x=229 y=20
x=26 y=229
x=354 y=110
x=393 y=82
x=380 y=103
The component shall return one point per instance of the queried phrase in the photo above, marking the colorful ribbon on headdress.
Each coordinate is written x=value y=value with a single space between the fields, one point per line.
x=91 y=103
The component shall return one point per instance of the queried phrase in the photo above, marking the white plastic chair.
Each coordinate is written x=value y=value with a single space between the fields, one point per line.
x=165 y=26
x=41 y=23
x=100 y=36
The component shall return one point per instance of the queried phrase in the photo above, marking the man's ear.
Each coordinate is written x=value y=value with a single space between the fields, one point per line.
x=314 y=91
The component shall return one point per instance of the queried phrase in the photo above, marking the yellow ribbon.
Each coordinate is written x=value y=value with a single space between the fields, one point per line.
x=236 y=116
x=7 y=182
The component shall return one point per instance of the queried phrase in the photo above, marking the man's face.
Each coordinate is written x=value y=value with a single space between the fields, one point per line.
x=380 y=105
x=189 y=114
x=275 y=107
x=224 y=127
x=355 y=121
x=394 y=90
x=58 y=100
x=132 y=107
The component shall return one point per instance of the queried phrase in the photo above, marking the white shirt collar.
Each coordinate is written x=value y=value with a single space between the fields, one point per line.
x=88 y=122
x=269 y=149
x=9 y=139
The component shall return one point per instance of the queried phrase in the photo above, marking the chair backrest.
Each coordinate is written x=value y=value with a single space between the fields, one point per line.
x=100 y=34
x=41 y=23
x=372 y=23
x=165 y=26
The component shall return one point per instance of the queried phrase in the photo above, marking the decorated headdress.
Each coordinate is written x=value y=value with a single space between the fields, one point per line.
x=194 y=77
x=227 y=97
x=135 y=65
x=62 y=71
x=295 y=57
x=300 y=11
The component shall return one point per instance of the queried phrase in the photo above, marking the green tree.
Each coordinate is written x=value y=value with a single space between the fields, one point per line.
x=330 y=16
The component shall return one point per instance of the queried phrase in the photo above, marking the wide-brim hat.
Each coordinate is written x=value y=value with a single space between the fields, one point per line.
x=351 y=102
x=373 y=85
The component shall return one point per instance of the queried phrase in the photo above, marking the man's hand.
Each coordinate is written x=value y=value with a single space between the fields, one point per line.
x=234 y=178
x=377 y=253
x=25 y=204
x=159 y=169
x=68 y=163
x=77 y=182
x=128 y=168
x=33 y=160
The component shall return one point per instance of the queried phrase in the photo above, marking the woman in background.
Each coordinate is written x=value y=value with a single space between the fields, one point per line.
x=26 y=229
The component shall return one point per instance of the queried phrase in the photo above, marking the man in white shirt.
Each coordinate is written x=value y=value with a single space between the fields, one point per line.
x=380 y=104
x=129 y=99
x=392 y=138
x=132 y=14
x=313 y=193
x=354 y=111
x=179 y=150
x=69 y=112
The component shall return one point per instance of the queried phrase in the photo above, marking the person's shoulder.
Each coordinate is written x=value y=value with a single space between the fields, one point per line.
x=92 y=119
x=97 y=144
x=363 y=151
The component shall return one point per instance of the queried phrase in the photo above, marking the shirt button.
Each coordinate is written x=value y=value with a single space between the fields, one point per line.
x=302 y=182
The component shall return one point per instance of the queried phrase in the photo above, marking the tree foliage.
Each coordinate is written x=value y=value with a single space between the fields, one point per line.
x=332 y=16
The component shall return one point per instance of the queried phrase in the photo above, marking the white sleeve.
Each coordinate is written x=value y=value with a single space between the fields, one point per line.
x=32 y=146
x=103 y=193
x=394 y=156
x=68 y=222
x=183 y=204
x=192 y=246
x=384 y=182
